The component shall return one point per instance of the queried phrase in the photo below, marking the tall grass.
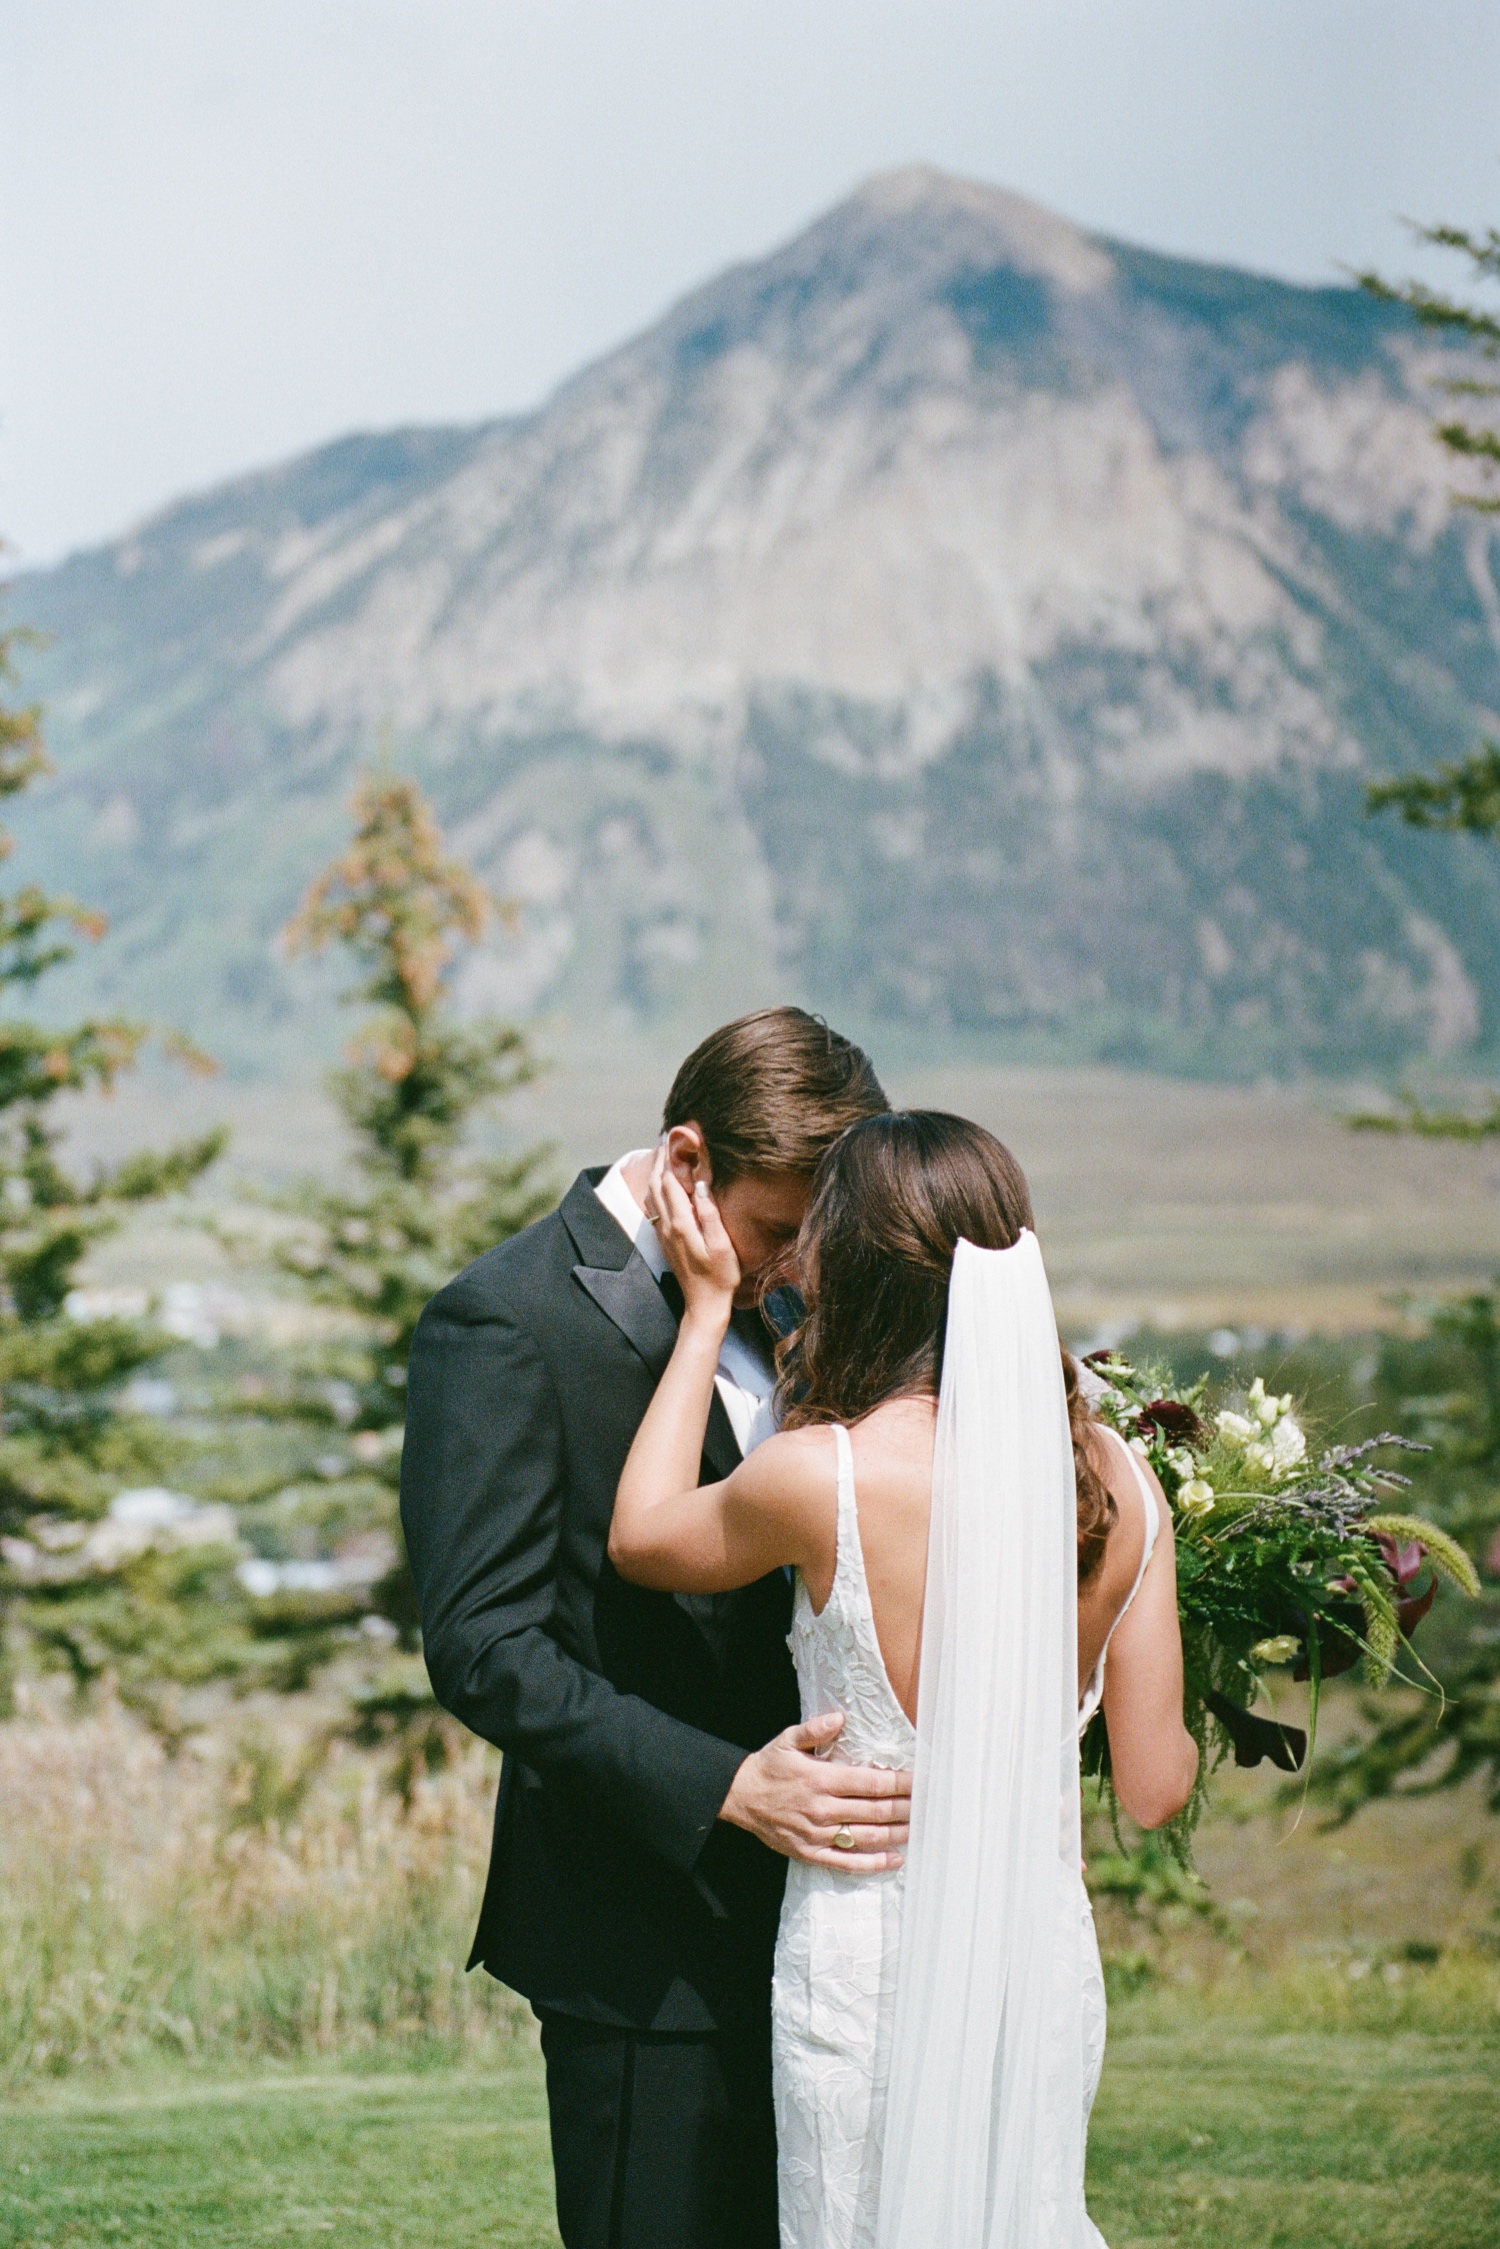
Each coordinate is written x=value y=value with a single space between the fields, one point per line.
x=241 y=1899
x=257 y=1896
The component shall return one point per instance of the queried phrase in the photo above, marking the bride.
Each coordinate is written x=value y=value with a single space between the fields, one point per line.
x=968 y=1546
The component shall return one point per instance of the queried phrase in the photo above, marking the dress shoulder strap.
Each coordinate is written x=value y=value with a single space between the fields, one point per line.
x=844 y=1455
x=1153 y=1519
x=1093 y=1692
x=849 y=1566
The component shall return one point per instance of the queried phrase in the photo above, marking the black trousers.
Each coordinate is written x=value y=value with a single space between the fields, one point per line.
x=661 y=2140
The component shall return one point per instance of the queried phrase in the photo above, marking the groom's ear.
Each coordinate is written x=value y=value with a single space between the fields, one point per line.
x=687 y=1153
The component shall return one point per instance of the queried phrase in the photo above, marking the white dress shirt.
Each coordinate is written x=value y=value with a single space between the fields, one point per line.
x=745 y=1378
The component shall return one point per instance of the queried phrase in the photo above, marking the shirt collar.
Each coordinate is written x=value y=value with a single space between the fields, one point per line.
x=627 y=1213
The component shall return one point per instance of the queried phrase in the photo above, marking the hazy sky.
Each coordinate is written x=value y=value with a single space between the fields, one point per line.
x=232 y=228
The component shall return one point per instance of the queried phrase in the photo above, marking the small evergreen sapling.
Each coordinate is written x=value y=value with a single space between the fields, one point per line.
x=419 y=1198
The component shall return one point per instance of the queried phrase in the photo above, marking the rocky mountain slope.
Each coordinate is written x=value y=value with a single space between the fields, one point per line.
x=953 y=618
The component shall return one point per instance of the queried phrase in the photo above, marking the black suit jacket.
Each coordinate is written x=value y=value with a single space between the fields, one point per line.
x=613 y=1892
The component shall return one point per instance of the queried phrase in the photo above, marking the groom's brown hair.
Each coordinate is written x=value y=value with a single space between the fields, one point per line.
x=772 y=1091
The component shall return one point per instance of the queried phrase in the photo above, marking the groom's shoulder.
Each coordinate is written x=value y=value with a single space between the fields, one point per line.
x=514 y=1278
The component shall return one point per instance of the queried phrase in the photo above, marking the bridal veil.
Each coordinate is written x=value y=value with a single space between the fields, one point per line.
x=985 y=2127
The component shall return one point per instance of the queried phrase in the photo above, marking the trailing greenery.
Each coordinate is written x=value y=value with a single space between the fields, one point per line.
x=1284 y=1557
x=1440 y=1740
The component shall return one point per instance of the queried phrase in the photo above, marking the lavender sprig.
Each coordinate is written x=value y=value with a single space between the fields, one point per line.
x=1340 y=1504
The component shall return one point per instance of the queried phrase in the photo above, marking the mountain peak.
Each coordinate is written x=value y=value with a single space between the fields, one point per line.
x=1014 y=230
x=949 y=616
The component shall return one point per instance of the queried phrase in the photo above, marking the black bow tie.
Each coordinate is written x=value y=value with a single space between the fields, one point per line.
x=671 y=1289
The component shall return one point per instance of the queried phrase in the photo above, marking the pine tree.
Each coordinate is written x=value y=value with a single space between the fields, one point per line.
x=420 y=1198
x=79 y=1589
x=1463 y=796
x=1473 y=441
x=1452 y=1734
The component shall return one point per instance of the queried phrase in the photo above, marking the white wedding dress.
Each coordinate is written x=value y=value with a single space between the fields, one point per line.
x=979 y=2170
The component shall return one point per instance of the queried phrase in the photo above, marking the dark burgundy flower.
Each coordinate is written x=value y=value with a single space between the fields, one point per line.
x=1404 y=1562
x=1173 y=1419
x=1409 y=1613
x=1339 y=1650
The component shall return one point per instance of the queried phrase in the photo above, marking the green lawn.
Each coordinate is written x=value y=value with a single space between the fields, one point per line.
x=1232 y=2138
x=447 y=2159
x=1221 y=2137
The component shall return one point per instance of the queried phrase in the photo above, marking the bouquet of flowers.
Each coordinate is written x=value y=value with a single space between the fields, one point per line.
x=1284 y=1558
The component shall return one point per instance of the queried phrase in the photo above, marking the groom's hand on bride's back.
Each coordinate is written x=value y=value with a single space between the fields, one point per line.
x=796 y=1800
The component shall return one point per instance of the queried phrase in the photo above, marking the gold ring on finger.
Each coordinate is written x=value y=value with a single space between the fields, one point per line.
x=842 y=1839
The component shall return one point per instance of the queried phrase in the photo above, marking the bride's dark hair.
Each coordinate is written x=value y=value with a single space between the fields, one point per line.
x=891 y=1200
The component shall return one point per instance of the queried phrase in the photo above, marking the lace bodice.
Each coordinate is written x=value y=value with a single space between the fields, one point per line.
x=837 y=1955
x=837 y=1653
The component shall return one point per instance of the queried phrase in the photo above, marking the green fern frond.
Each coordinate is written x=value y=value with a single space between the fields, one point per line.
x=1445 y=1554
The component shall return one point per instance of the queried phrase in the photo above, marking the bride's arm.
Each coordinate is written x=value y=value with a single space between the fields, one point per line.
x=712 y=1538
x=1153 y=1758
x=669 y=1531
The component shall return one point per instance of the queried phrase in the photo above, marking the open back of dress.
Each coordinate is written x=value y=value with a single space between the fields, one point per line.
x=938 y=2031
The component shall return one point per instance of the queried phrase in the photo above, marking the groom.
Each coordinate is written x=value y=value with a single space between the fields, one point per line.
x=655 y=1779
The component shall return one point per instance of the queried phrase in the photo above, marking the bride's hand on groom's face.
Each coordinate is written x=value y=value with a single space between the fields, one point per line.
x=796 y=1801
x=692 y=1234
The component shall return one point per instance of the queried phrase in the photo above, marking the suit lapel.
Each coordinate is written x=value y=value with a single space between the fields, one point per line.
x=631 y=1299
x=621 y=1283
x=613 y=1272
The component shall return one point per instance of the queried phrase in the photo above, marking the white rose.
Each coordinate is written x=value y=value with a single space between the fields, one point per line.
x=1196 y=1497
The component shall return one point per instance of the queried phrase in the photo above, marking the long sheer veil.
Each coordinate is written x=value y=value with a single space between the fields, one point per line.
x=985 y=2128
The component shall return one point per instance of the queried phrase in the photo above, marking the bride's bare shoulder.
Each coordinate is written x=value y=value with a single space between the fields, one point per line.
x=796 y=1456
x=792 y=1479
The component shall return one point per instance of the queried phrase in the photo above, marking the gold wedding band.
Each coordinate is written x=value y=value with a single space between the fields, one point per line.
x=842 y=1839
